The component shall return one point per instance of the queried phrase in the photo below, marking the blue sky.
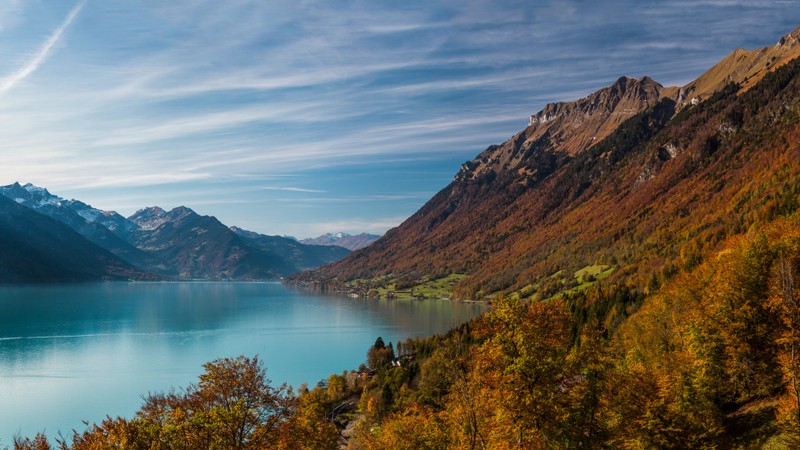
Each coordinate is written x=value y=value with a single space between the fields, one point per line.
x=304 y=117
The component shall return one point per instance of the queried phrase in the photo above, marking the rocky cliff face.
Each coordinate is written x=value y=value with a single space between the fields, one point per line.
x=569 y=128
x=566 y=129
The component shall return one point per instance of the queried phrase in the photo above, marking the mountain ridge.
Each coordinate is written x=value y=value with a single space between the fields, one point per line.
x=348 y=241
x=108 y=230
x=175 y=244
x=303 y=256
x=744 y=67
x=524 y=215
x=37 y=248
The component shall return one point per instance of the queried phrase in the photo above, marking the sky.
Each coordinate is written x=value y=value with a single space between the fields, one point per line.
x=306 y=117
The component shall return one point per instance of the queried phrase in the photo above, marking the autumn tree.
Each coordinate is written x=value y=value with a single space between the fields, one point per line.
x=380 y=356
x=113 y=434
x=523 y=368
x=740 y=319
x=233 y=406
x=415 y=428
x=309 y=427
x=39 y=442
x=785 y=299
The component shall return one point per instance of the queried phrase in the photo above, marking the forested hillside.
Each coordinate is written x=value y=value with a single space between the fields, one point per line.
x=647 y=201
x=708 y=361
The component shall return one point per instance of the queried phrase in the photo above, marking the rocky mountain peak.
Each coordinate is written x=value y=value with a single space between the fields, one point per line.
x=152 y=210
x=790 y=40
x=623 y=84
x=30 y=195
x=149 y=218
x=15 y=189
x=30 y=187
x=152 y=217
x=565 y=129
x=181 y=211
x=604 y=101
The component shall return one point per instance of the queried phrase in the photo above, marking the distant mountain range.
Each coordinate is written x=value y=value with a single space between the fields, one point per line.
x=36 y=248
x=636 y=181
x=48 y=238
x=345 y=240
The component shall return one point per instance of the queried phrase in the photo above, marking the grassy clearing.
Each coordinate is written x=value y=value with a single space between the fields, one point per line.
x=597 y=271
x=386 y=287
x=442 y=288
x=559 y=284
x=590 y=275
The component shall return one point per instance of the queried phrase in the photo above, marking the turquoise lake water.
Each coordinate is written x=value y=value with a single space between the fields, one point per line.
x=81 y=352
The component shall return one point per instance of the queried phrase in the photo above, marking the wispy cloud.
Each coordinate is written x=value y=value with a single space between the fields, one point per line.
x=160 y=178
x=203 y=102
x=39 y=58
x=292 y=189
x=9 y=13
x=202 y=124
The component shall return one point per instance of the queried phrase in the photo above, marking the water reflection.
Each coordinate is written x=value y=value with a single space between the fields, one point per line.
x=69 y=353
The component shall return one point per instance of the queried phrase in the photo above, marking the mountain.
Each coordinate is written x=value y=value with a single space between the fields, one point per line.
x=571 y=127
x=742 y=67
x=38 y=198
x=37 y=248
x=345 y=240
x=301 y=255
x=175 y=244
x=149 y=218
x=627 y=183
x=201 y=247
x=456 y=231
x=106 y=229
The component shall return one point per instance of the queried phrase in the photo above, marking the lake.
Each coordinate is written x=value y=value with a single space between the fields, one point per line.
x=80 y=352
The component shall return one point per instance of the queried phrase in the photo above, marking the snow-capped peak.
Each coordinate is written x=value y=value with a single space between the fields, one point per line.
x=35 y=189
x=40 y=199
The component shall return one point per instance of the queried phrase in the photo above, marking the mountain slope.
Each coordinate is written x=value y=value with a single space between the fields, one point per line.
x=745 y=67
x=176 y=244
x=651 y=198
x=300 y=255
x=345 y=240
x=106 y=229
x=201 y=247
x=37 y=248
x=454 y=232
